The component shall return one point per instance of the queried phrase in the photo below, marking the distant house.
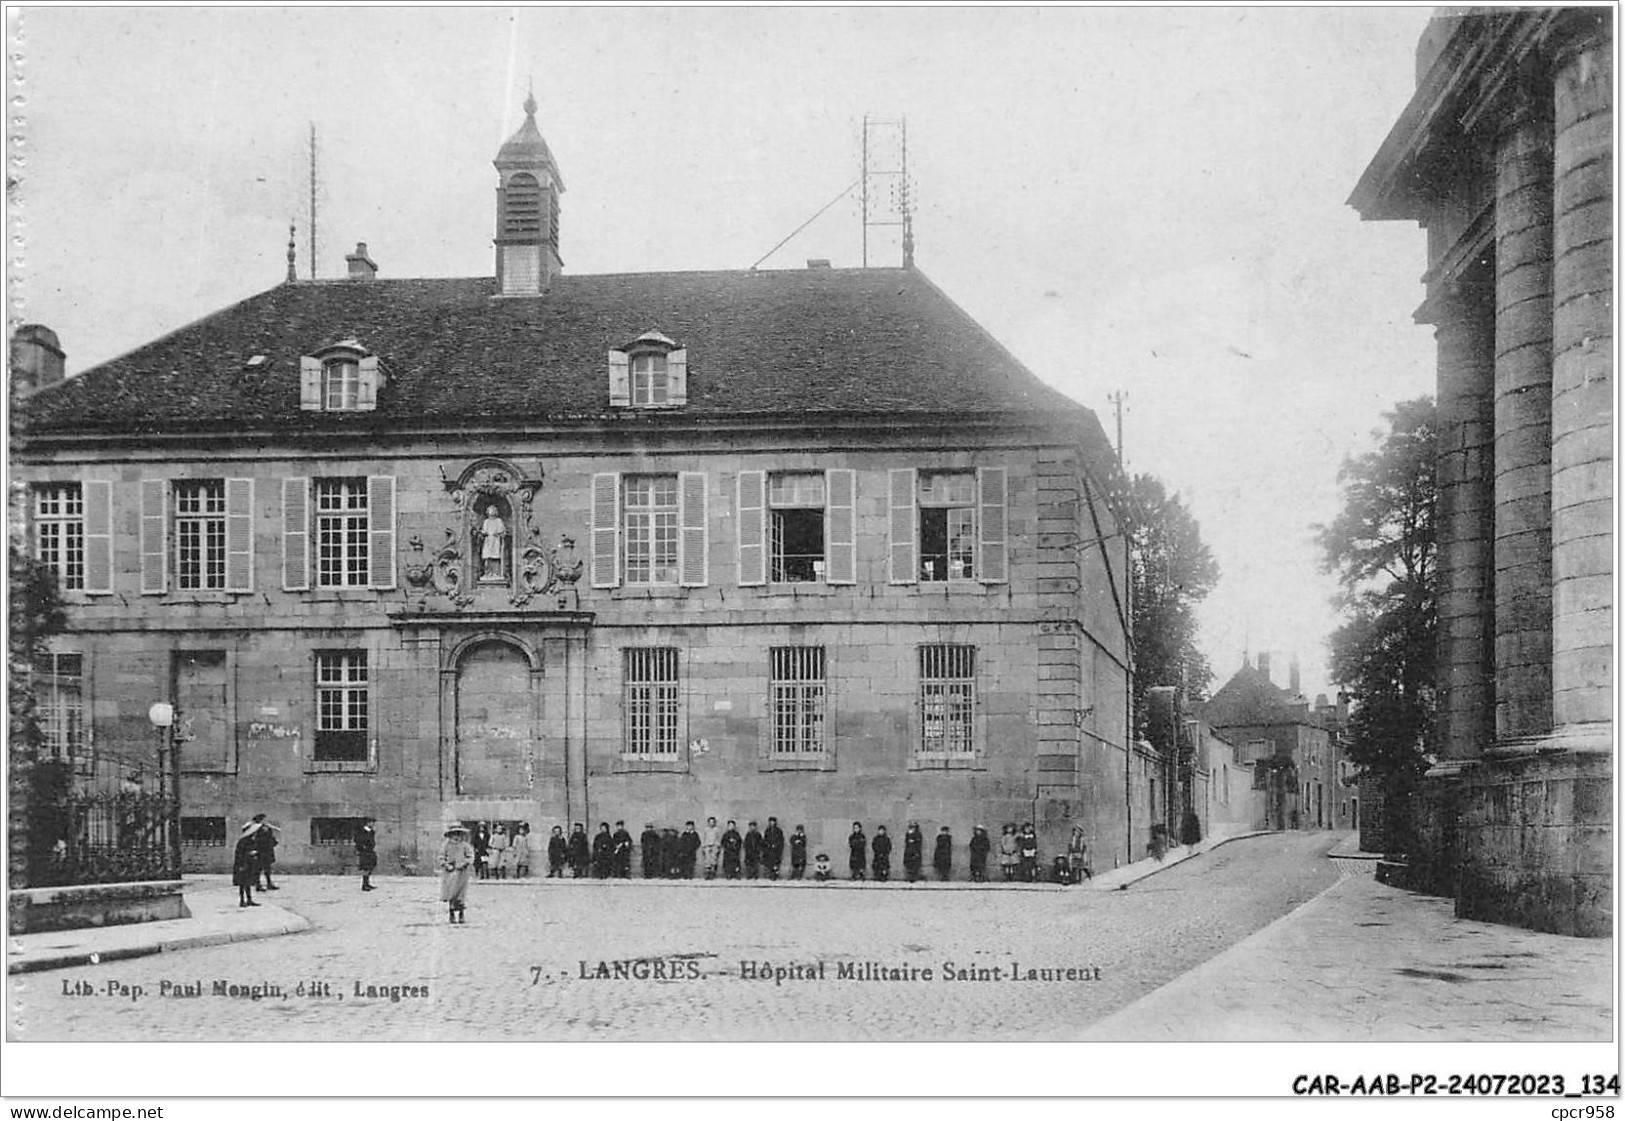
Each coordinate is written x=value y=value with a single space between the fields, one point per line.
x=1294 y=751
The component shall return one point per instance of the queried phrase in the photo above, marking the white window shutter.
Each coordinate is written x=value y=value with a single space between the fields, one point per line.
x=620 y=378
x=993 y=550
x=751 y=514
x=98 y=498
x=840 y=532
x=677 y=377
x=693 y=568
x=310 y=384
x=905 y=531
x=366 y=398
x=154 y=536
x=381 y=530
x=606 y=530
x=239 y=535
x=295 y=534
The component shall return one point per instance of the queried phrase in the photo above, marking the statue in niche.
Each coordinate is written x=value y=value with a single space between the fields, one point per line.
x=493 y=537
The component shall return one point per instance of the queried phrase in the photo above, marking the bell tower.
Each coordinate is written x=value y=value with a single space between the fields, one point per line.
x=528 y=189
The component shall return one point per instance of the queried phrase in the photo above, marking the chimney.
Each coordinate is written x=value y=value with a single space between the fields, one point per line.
x=362 y=266
x=1264 y=665
x=36 y=358
x=1295 y=683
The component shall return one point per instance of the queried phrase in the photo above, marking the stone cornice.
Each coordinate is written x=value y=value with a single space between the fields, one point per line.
x=1485 y=62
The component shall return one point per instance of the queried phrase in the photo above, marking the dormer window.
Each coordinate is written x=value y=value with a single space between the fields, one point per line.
x=340 y=379
x=649 y=384
x=341 y=383
x=650 y=373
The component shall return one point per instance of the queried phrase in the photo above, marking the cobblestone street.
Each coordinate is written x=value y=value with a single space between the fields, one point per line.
x=480 y=976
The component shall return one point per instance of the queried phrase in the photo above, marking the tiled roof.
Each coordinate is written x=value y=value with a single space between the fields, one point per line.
x=1250 y=697
x=816 y=341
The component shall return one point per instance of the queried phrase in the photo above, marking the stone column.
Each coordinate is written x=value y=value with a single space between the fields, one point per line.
x=1582 y=386
x=1523 y=420
x=1464 y=329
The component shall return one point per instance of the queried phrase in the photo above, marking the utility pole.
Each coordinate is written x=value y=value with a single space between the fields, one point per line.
x=1117 y=400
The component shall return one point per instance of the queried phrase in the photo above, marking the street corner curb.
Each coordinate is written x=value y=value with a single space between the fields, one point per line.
x=82 y=957
x=1172 y=862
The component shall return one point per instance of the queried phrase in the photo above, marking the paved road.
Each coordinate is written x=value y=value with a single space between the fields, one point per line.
x=514 y=971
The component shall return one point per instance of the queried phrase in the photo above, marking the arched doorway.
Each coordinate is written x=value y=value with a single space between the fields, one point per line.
x=495 y=735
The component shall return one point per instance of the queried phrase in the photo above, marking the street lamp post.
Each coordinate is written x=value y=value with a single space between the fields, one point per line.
x=162 y=716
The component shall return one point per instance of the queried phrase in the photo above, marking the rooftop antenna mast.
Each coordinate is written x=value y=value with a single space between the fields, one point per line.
x=313 y=200
x=887 y=195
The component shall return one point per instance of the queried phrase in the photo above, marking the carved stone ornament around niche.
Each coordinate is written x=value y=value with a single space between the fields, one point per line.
x=496 y=546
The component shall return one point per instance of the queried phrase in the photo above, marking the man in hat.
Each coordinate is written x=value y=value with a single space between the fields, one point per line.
x=603 y=852
x=245 y=864
x=265 y=850
x=456 y=869
x=942 y=859
x=881 y=847
x=711 y=848
x=980 y=846
x=772 y=848
x=558 y=851
x=732 y=842
x=753 y=851
x=649 y=842
x=857 y=847
x=580 y=850
x=798 y=852
x=622 y=840
x=366 y=851
x=913 y=851
x=689 y=849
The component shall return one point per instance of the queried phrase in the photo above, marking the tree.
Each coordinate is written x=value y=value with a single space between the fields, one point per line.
x=1381 y=548
x=1171 y=570
x=35 y=613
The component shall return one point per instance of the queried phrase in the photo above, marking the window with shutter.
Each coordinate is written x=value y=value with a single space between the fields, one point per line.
x=154 y=537
x=98 y=536
x=693 y=543
x=239 y=535
x=381 y=530
x=606 y=530
x=841 y=526
x=620 y=378
x=993 y=563
x=295 y=534
x=750 y=513
x=200 y=534
x=59 y=532
x=904 y=544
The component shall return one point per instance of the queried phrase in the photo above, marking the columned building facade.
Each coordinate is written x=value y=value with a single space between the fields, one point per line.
x=1505 y=156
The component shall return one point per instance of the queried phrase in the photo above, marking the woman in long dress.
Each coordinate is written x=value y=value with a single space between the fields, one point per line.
x=245 y=864
x=456 y=869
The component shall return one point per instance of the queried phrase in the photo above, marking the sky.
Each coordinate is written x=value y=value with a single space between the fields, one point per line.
x=1135 y=201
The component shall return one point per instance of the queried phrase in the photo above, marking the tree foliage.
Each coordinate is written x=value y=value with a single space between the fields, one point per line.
x=35 y=613
x=1382 y=549
x=1171 y=571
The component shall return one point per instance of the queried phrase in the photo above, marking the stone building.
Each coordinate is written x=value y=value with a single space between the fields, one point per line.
x=1295 y=752
x=1505 y=157
x=546 y=548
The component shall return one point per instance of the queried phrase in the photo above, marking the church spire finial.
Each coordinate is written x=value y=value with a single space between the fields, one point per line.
x=530 y=98
x=292 y=276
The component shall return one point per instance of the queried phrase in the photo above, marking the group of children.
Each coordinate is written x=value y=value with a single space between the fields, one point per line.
x=667 y=854
x=500 y=853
